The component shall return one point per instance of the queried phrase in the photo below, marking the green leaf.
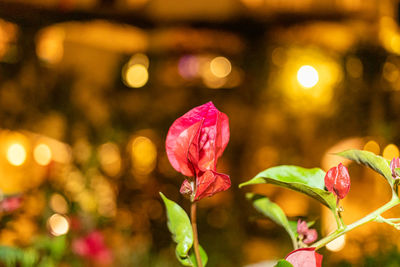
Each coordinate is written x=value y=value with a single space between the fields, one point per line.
x=203 y=256
x=272 y=211
x=308 y=181
x=283 y=263
x=180 y=228
x=375 y=162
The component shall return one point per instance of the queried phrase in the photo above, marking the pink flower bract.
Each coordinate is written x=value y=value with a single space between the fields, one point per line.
x=308 y=235
x=304 y=257
x=337 y=181
x=92 y=247
x=194 y=143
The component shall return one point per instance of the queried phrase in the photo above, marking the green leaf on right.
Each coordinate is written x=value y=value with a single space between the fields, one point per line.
x=308 y=181
x=180 y=228
x=272 y=211
x=369 y=159
x=283 y=263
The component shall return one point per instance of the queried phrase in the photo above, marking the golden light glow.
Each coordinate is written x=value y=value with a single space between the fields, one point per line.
x=337 y=244
x=144 y=155
x=390 y=151
x=50 y=44
x=220 y=67
x=136 y=76
x=307 y=76
x=110 y=159
x=58 y=224
x=58 y=204
x=42 y=154
x=373 y=147
x=304 y=88
x=16 y=154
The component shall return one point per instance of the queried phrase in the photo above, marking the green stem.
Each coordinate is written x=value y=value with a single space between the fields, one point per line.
x=195 y=236
x=370 y=217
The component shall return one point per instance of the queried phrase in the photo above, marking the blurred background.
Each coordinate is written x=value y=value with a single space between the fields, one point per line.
x=89 y=88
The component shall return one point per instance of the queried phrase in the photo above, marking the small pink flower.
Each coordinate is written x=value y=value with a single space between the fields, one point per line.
x=194 y=143
x=92 y=247
x=10 y=204
x=395 y=163
x=304 y=257
x=307 y=235
x=337 y=181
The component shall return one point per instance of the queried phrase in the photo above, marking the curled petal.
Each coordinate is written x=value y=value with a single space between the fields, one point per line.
x=210 y=183
x=180 y=139
x=304 y=257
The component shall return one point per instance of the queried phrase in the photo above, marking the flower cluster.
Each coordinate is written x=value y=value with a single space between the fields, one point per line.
x=194 y=143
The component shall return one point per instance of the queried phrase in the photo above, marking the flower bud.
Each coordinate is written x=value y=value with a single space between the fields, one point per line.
x=307 y=235
x=395 y=163
x=337 y=181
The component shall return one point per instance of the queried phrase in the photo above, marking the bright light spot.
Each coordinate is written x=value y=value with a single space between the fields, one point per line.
x=16 y=154
x=42 y=154
x=220 y=67
x=391 y=151
x=136 y=76
x=58 y=204
x=58 y=224
x=337 y=244
x=373 y=147
x=144 y=155
x=307 y=76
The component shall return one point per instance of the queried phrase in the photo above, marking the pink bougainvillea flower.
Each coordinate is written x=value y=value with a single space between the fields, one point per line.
x=307 y=236
x=92 y=247
x=337 y=181
x=304 y=257
x=194 y=143
x=10 y=204
x=395 y=163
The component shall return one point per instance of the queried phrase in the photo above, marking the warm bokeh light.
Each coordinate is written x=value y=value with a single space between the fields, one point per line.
x=16 y=154
x=373 y=147
x=220 y=67
x=144 y=155
x=139 y=58
x=58 y=203
x=58 y=224
x=307 y=76
x=390 y=151
x=110 y=158
x=50 y=44
x=136 y=76
x=42 y=154
x=337 y=244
